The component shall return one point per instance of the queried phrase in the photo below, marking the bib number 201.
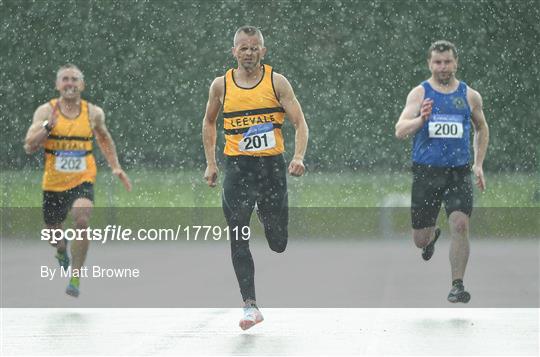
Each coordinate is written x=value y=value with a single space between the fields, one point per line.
x=258 y=142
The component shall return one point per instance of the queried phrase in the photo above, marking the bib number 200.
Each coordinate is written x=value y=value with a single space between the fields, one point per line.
x=445 y=130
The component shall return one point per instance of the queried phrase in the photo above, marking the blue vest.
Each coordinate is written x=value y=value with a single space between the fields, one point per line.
x=444 y=140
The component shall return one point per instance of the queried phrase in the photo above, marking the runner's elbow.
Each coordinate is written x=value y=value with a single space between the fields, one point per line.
x=399 y=132
x=29 y=149
x=209 y=120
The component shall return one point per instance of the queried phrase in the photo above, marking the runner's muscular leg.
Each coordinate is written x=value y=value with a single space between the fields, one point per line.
x=423 y=236
x=59 y=244
x=81 y=211
x=459 y=245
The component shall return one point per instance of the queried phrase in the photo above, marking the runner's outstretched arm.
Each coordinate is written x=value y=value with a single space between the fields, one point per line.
x=481 y=138
x=106 y=145
x=209 y=131
x=295 y=114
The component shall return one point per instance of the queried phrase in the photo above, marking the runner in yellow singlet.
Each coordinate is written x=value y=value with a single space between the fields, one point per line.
x=255 y=101
x=66 y=127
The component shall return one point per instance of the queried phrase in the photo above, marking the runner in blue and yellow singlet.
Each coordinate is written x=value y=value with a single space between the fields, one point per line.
x=439 y=113
x=255 y=102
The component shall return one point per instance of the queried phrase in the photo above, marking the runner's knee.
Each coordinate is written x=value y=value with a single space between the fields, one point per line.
x=278 y=245
x=421 y=237
x=81 y=211
x=81 y=218
x=460 y=226
x=421 y=242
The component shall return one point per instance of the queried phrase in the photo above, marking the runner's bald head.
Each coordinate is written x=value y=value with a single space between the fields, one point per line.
x=249 y=31
x=69 y=66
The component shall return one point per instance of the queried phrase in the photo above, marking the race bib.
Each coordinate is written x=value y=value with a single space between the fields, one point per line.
x=70 y=161
x=258 y=137
x=446 y=126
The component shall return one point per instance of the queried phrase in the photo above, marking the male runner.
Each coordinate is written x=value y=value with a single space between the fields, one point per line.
x=65 y=127
x=255 y=101
x=439 y=113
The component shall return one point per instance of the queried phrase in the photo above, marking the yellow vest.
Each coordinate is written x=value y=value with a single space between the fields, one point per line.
x=68 y=152
x=252 y=117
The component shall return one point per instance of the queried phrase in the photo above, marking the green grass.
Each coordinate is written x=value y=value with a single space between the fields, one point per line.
x=185 y=188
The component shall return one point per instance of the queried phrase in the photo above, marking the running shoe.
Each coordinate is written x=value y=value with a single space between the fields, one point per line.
x=458 y=294
x=252 y=316
x=428 y=250
x=63 y=259
x=73 y=287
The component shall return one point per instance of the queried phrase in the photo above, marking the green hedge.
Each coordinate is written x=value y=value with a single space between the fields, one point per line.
x=149 y=65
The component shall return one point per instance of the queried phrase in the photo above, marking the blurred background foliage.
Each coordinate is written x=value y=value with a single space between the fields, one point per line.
x=149 y=64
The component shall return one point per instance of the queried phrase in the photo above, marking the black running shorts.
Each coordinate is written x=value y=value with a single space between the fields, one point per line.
x=261 y=180
x=56 y=205
x=434 y=185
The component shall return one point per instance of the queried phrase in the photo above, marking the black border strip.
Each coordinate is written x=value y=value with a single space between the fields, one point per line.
x=255 y=86
x=72 y=118
x=273 y=87
x=246 y=113
x=54 y=152
x=224 y=87
x=79 y=138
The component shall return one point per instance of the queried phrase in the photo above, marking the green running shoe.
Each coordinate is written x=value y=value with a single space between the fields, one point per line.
x=63 y=259
x=73 y=287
